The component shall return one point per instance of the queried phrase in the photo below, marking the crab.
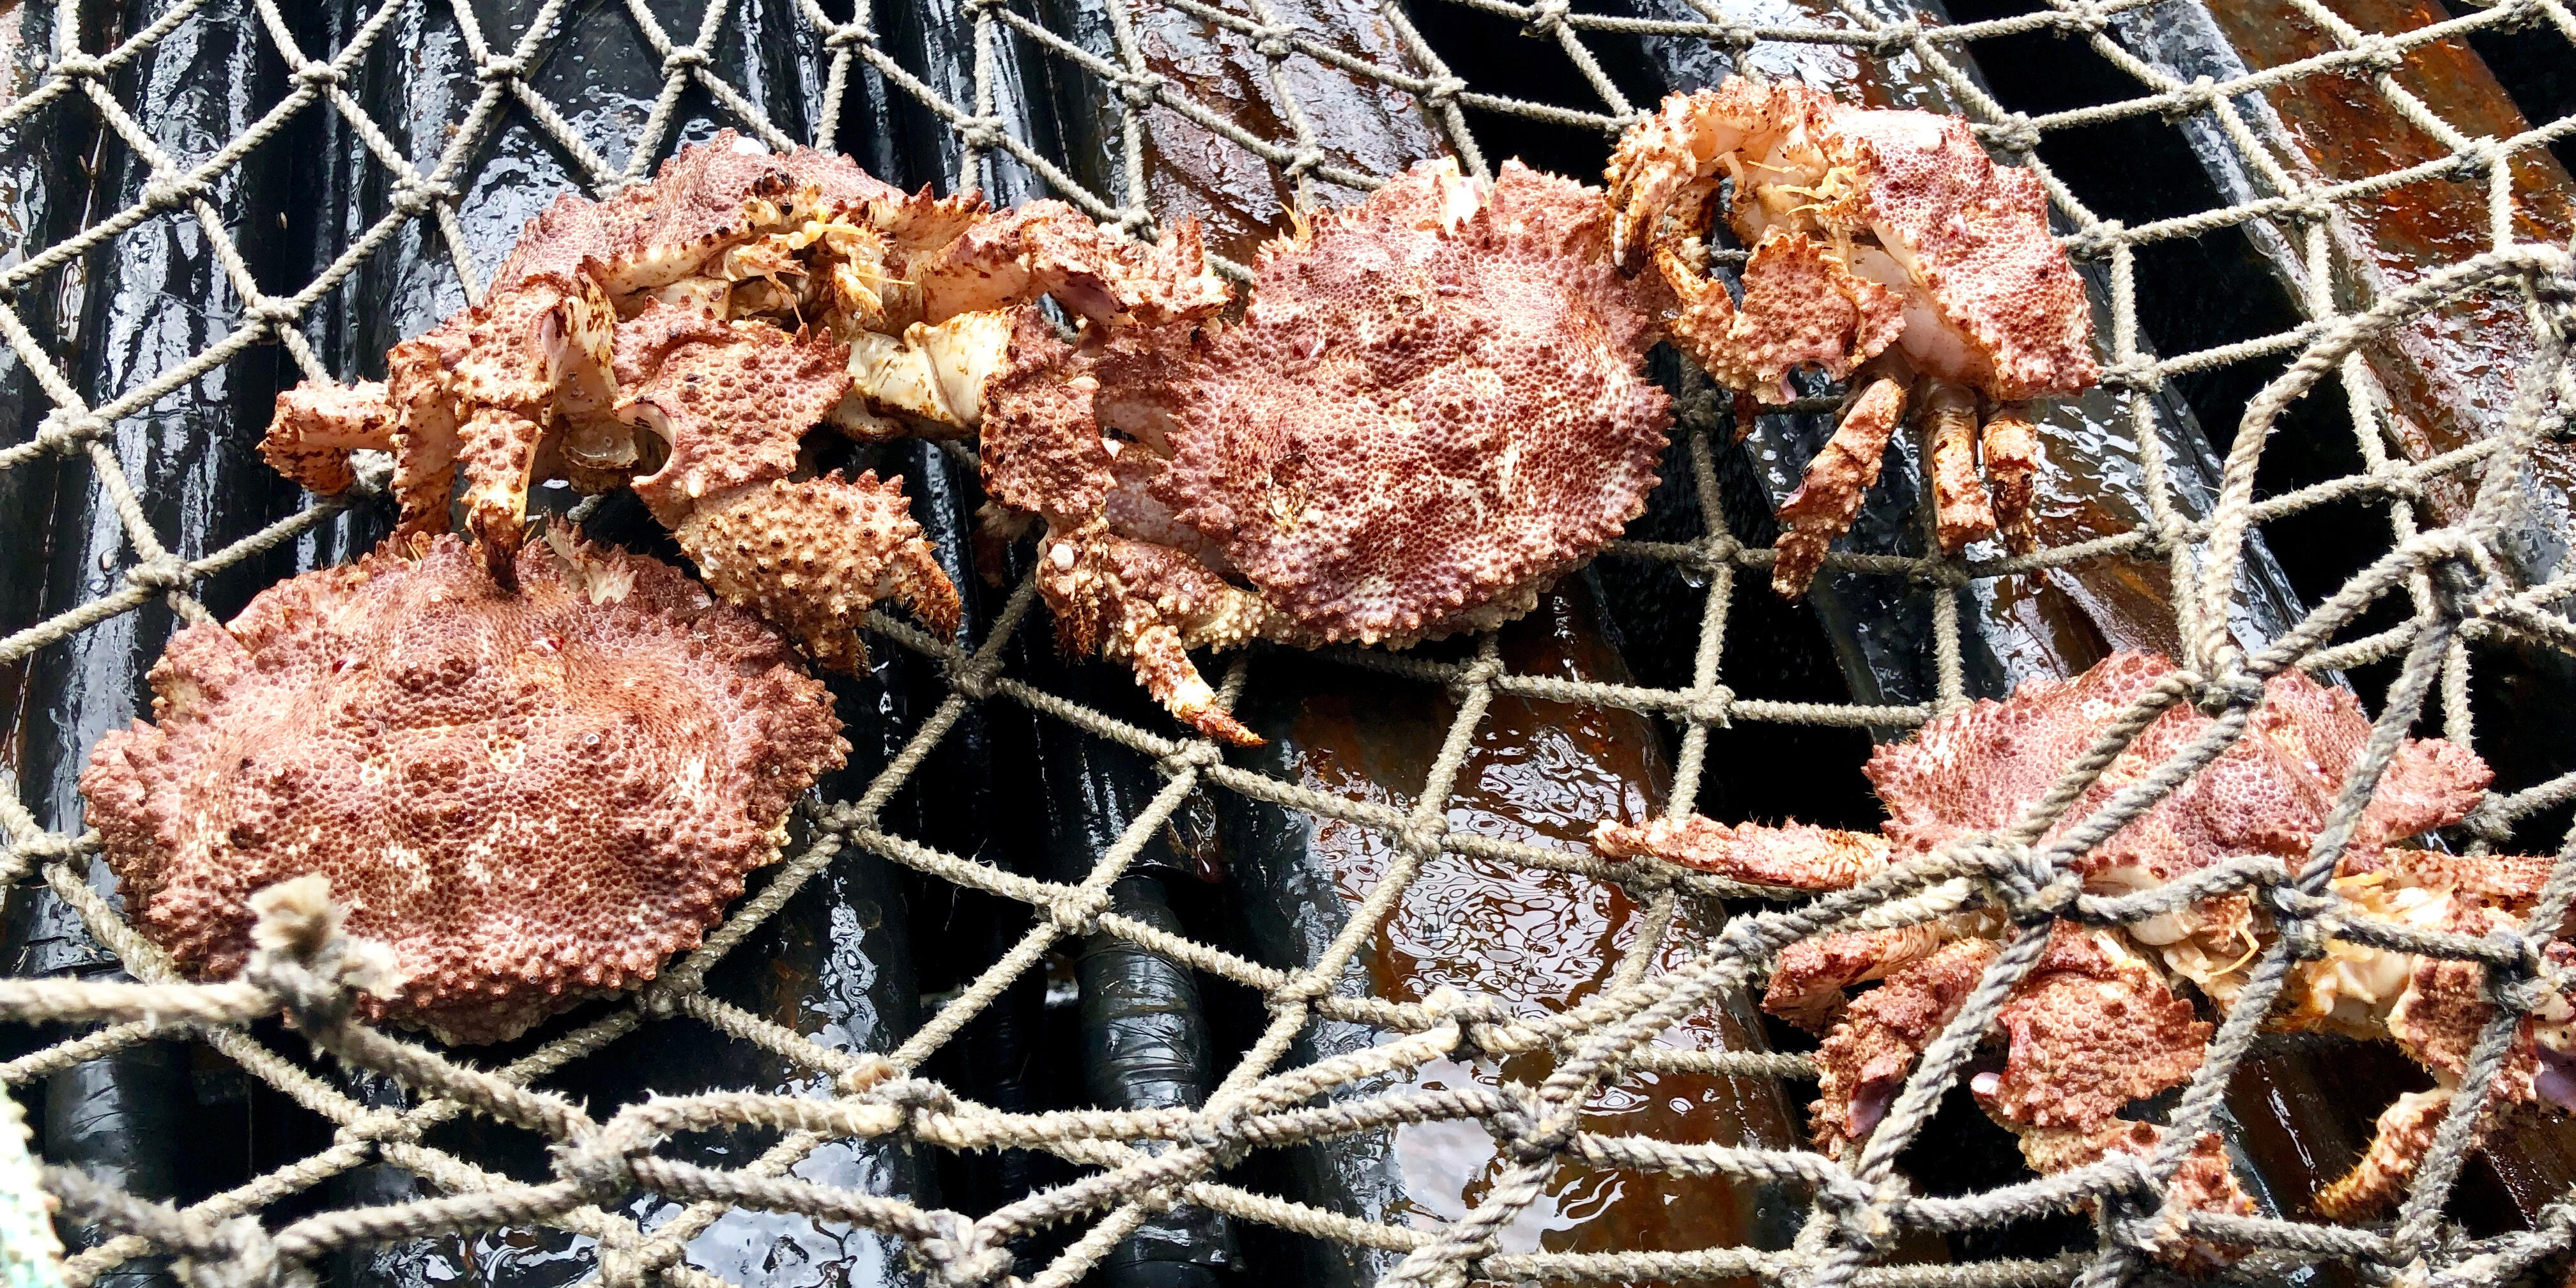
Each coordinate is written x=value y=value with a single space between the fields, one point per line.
x=683 y=336
x=1434 y=406
x=1887 y=250
x=531 y=795
x=2103 y=1019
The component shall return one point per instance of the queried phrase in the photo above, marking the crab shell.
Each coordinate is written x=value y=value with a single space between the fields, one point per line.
x=1434 y=406
x=531 y=797
x=1872 y=226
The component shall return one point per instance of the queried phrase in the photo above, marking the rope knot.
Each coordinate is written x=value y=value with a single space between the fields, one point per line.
x=2033 y=887
x=412 y=196
x=160 y=191
x=239 y=1254
x=1714 y=708
x=1544 y=1139
x=2093 y=241
x=1075 y=915
x=1861 y=1213
x=598 y=1162
x=984 y=135
x=1441 y=91
x=319 y=75
x=2303 y=919
x=80 y=65
x=848 y=34
x=1422 y=835
x=1898 y=37
x=683 y=59
x=2231 y=688
x=2015 y=134
x=64 y=429
x=2191 y=99
x=1272 y=42
x=301 y=955
x=274 y=311
x=2133 y=375
x=502 y=68
x=1304 y=161
x=2086 y=19
x=1139 y=89
x=162 y=572
x=2378 y=53
x=1546 y=16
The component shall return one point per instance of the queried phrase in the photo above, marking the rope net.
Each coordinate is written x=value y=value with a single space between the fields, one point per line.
x=2440 y=592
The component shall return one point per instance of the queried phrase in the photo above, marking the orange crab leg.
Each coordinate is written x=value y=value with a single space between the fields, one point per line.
x=1827 y=498
x=2012 y=467
x=1961 y=512
x=1794 y=855
x=2406 y=1130
x=317 y=426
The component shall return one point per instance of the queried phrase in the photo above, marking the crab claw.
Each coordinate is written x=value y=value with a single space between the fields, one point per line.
x=317 y=426
x=1049 y=247
x=1149 y=605
x=1671 y=164
x=1863 y=1061
x=812 y=555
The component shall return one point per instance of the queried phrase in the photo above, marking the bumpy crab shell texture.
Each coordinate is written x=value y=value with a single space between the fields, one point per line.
x=1992 y=302
x=2090 y=1032
x=532 y=798
x=1434 y=405
x=1435 y=401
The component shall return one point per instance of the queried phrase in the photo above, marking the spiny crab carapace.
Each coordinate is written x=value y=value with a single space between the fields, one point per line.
x=684 y=335
x=532 y=795
x=2104 y=1019
x=1434 y=406
x=1887 y=250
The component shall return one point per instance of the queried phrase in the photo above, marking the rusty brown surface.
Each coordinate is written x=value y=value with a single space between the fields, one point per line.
x=1360 y=124
x=1541 y=773
x=2449 y=375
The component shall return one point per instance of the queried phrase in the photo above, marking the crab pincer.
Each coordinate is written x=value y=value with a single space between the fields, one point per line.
x=1888 y=251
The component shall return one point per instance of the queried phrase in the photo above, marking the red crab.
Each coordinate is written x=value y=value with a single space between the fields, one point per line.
x=686 y=334
x=2099 y=1022
x=1887 y=250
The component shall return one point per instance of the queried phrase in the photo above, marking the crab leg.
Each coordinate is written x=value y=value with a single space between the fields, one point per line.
x=1863 y=1062
x=1808 y=979
x=1049 y=247
x=1795 y=855
x=499 y=461
x=2406 y=1130
x=1961 y=511
x=1827 y=498
x=2012 y=463
x=812 y=554
x=317 y=426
